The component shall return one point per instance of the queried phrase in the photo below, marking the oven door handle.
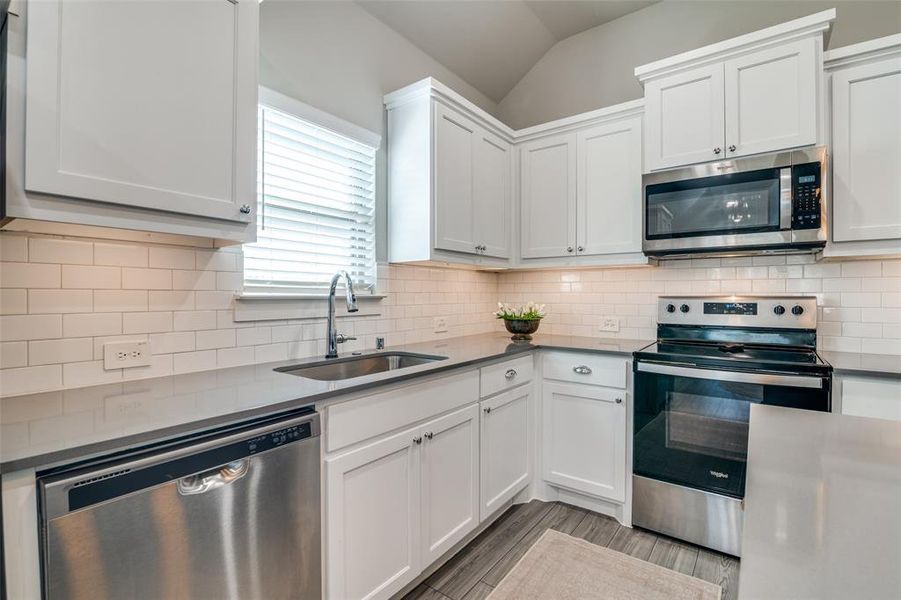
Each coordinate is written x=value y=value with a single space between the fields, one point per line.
x=800 y=381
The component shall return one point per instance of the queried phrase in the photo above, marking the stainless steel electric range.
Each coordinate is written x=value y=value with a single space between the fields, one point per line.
x=714 y=357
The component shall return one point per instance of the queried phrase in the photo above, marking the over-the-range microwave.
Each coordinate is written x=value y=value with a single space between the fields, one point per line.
x=769 y=204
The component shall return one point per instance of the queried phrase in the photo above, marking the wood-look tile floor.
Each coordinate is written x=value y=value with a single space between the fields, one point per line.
x=477 y=568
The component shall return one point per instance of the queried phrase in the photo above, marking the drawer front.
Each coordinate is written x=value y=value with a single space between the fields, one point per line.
x=365 y=417
x=505 y=375
x=593 y=369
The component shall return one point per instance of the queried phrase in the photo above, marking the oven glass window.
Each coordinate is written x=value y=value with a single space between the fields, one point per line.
x=694 y=432
x=727 y=204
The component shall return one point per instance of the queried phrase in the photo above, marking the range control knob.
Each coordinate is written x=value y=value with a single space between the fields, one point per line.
x=797 y=310
x=779 y=309
x=670 y=308
x=684 y=308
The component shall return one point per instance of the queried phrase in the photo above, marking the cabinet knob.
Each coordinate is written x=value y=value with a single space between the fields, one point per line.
x=487 y=410
x=619 y=400
x=428 y=435
x=732 y=148
x=717 y=150
x=580 y=249
x=418 y=439
x=569 y=248
x=582 y=370
x=510 y=374
x=245 y=209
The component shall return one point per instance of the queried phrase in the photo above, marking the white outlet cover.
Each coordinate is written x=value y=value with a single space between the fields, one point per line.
x=439 y=324
x=609 y=324
x=124 y=355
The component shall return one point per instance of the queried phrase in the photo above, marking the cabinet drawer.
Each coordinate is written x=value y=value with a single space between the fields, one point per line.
x=363 y=418
x=505 y=375
x=594 y=369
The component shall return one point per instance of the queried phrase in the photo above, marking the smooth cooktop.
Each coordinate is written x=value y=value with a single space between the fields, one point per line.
x=733 y=355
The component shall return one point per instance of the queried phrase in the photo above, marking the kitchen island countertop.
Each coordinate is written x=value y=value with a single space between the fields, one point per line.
x=823 y=507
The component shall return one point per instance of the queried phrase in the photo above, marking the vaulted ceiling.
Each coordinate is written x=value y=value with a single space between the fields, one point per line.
x=492 y=44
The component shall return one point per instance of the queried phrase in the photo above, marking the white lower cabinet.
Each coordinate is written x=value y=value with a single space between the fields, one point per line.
x=449 y=481
x=874 y=397
x=505 y=456
x=584 y=438
x=396 y=505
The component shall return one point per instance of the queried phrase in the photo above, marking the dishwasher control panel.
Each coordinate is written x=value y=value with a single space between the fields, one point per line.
x=274 y=439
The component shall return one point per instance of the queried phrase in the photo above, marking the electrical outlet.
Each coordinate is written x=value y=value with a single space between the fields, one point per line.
x=122 y=355
x=439 y=324
x=609 y=324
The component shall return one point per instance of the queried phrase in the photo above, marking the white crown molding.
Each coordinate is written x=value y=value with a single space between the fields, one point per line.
x=810 y=25
x=864 y=51
x=593 y=117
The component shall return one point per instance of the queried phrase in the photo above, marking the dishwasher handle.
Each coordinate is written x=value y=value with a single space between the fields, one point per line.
x=217 y=457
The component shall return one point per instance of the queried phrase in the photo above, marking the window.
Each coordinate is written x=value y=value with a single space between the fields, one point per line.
x=315 y=201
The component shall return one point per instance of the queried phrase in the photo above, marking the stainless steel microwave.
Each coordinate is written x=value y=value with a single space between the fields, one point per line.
x=770 y=203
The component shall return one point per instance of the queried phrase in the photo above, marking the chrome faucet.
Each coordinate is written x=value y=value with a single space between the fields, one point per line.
x=333 y=338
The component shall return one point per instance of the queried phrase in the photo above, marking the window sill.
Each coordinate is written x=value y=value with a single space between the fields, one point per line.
x=260 y=306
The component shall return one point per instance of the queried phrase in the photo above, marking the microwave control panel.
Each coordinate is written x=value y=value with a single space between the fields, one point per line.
x=806 y=200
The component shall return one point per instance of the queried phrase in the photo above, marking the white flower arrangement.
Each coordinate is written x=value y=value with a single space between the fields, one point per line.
x=527 y=312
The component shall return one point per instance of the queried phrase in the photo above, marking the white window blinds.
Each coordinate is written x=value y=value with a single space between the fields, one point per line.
x=316 y=205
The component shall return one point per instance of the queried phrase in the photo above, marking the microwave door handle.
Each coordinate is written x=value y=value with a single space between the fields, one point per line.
x=799 y=381
x=785 y=198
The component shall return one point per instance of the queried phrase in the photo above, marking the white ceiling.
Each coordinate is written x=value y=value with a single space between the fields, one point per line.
x=492 y=44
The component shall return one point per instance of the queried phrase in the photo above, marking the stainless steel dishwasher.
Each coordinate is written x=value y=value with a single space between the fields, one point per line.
x=233 y=514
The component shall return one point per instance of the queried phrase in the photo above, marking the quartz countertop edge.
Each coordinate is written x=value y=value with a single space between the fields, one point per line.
x=854 y=363
x=51 y=429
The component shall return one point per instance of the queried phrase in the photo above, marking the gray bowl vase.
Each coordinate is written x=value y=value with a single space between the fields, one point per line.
x=522 y=329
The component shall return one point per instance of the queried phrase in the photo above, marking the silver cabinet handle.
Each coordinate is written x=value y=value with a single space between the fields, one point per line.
x=429 y=435
x=487 y=410
x=211 y=480
x=732 y=148
x=510 y=374
x=619 y=400
x=582 y=370
x=417 y=440
x=580 y=249
x=245 y=209
x=569 y=248
x=717 y=150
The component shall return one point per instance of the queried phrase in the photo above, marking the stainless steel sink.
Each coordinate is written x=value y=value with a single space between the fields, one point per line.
x=357 y=366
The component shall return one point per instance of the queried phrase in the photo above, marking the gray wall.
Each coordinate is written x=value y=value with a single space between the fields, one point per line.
x=594 y=68
x=335 y=56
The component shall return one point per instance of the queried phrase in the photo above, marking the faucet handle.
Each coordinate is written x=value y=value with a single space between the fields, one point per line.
x=340 y=338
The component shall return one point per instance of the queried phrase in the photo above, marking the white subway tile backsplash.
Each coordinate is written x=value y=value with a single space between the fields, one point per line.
x=862 y=269
x=13 y=247
x=206 y=300
x=215 y=338
x=193 y=280
x=91 y=277
x=120 y=300
x=13 y=354
x=193 y=320
x=27 y=380
x=146 y=279
x=120 y=255
x=168 y=343
x=28 y=275
x=234 y=357
x=216 y=260
x=188 y=362
x=95 y=324
x=162 y=257
x=30 y=327
x=171 y=300
x=79 y=374
x=60 y=301
x=66 y=252
x=48 y=352
x=146 y=322
x=13 y=302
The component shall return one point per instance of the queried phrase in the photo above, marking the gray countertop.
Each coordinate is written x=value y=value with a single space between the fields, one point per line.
x=863 y=364
x=823 y=507
x=53 y=428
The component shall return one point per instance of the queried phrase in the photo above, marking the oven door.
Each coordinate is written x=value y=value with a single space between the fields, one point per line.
x=751 y=208
x=691 y=424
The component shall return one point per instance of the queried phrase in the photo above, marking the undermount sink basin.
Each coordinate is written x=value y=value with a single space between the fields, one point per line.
x=357 y=366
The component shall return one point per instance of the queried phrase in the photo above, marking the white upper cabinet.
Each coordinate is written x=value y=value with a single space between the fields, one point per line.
x=685 y=118
x=548 y=196
x=454 y=135
x=747 y=95
x=147 y=105
x=609 y=188
x=866 y=146
x=771 y=99
x=450 y=188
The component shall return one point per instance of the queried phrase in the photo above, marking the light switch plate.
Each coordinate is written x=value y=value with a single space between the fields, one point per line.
x=439 y=324
x=609 y=325
x=122 y=355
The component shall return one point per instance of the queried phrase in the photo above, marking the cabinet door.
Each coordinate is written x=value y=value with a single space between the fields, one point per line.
x=866 y=140
x=584 y=439
x=118 y=113
x=453 y=181
x=492 y=193
x=548 y=197
x=372 y=515
x=505 y=452
x=450 y=481
x=684 y=117
x=771 y=99
x=609 y=188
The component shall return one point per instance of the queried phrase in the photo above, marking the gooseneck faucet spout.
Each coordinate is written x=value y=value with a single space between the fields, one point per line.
x=332 y=337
